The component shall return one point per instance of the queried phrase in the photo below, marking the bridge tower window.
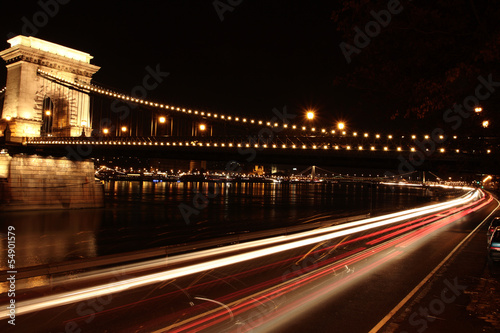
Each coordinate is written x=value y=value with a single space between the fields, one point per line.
x=47 y=117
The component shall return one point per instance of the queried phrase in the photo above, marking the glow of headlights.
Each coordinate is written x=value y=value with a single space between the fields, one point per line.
x=61 y=299
x=248 y=245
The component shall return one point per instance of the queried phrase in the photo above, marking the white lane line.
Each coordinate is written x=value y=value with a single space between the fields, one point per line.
x=391 y=313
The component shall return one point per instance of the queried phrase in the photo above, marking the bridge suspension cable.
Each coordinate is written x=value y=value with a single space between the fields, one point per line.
x=90 y=88
x=432 y=173
x=286 y=125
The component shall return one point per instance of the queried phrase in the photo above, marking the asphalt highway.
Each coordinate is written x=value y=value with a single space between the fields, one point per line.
x=351 y=277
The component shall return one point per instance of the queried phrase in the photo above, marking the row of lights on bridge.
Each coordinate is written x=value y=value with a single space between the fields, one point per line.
x=162 y=119
x=239 y=145
x=309 y=114
x=203 y=127
x=154 y=104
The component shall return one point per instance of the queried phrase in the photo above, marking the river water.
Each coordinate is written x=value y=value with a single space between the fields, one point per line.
x=141 y=215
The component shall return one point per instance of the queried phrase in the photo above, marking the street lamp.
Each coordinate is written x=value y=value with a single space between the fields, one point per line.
x=310 y=115
x=202 y=127
x=105 y=130
x=162 y=120
x=340 y=126
x=47 y=123
x=486 y=123
x=8 y=118
x=478 y=109
x=124 y=128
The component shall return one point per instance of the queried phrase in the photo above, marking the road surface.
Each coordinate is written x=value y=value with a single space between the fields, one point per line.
x=344 y=278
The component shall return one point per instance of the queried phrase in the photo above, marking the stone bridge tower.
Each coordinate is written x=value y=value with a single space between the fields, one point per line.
x=36 y=104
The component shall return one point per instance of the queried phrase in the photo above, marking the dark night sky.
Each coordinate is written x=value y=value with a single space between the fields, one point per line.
x=264 y=54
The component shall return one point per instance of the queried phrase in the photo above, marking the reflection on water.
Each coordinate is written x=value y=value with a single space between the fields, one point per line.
x=52 y=236
x=145 y=215
x=48 y=237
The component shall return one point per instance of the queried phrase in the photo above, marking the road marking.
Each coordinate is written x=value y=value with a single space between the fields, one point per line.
x=417 y=288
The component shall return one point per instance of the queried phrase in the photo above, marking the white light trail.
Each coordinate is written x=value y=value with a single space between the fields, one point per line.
x=158 y=263
x=331 y=232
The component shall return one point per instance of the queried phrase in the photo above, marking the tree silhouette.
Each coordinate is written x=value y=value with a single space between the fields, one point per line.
x=426 y=58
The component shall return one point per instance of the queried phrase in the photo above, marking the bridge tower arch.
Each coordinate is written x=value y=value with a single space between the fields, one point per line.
x=37 y=105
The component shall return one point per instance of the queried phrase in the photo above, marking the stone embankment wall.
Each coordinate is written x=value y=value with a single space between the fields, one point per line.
x=35 y=182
